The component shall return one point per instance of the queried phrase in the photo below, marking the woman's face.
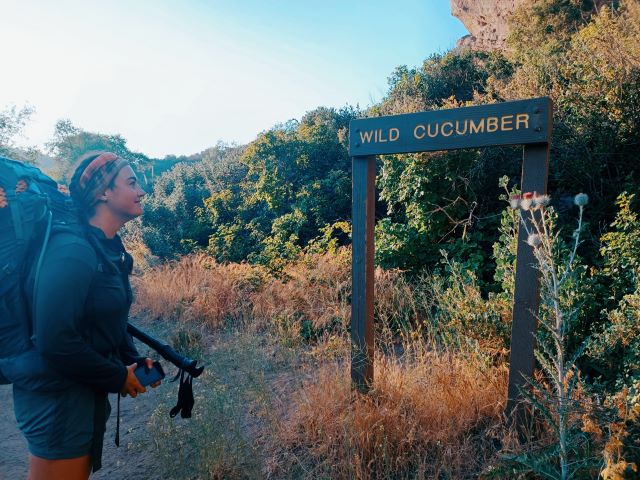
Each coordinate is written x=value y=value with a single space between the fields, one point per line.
x=124 y=198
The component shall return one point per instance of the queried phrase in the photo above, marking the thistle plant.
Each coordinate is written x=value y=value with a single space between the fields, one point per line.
x=559 y=277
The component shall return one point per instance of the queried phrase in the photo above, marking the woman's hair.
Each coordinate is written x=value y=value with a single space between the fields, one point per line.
x=86 y=211
x=83 y=182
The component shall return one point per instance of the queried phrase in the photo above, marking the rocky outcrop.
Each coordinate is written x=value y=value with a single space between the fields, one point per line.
x=486 y=21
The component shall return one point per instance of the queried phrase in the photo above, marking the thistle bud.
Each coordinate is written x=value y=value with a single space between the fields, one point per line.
x=581 y=199
x=534 y=240
x=543 y=200
x=526 y=203
x=514 y=201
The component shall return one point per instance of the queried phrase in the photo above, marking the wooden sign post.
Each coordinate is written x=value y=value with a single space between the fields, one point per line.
x=525 y=122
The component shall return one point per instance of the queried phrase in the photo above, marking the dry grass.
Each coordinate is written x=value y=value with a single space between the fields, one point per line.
x=431 y=413
x=315 y=289
x=197 y=289
x=427 y=417
x=398 y=303
x=312 y=293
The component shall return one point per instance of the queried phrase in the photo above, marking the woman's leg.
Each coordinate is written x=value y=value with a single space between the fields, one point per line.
x=68 y=469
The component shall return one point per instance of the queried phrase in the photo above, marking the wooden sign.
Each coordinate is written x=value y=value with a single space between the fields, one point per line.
x=527 y=122
x=509 y=123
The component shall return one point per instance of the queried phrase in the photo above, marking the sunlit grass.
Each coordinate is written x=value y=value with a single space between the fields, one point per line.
x=434 y=411
x=429 y=415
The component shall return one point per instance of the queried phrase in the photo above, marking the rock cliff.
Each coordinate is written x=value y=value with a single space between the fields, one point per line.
x=486 y=21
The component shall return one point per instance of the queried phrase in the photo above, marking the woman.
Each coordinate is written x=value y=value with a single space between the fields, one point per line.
x=80 y=308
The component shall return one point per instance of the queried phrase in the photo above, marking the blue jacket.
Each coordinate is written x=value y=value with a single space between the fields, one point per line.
x=80 y=317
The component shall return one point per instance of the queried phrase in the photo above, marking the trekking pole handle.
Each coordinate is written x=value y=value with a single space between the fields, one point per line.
x=166 y=351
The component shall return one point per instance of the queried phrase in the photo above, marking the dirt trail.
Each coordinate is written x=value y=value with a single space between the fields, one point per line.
x=132 y=460
x=246 y=373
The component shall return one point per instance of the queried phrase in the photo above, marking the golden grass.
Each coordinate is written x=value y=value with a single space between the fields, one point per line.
x=316 y=289
x=198 y=289
x=436 y=407
x=424 y=418
x=397 y=302
x=431 y=413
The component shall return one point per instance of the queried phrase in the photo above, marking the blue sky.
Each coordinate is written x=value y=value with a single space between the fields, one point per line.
x=175 y=77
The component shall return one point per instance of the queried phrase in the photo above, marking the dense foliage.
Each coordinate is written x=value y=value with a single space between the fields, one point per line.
x=263 y=202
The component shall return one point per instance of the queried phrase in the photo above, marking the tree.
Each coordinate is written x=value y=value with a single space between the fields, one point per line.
x=179 y=214
x=298 y=181
x=70 y=142
x=12 y=122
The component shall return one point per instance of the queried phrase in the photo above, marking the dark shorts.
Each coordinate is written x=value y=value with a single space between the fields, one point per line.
x=57 y=424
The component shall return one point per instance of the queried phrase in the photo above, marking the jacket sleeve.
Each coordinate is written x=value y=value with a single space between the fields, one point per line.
x=60 y=295
x=128 y=352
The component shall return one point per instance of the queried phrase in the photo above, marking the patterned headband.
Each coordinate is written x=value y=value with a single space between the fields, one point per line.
x=98 y=175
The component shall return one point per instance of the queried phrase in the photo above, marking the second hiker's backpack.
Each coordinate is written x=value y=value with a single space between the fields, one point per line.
x=31 y=207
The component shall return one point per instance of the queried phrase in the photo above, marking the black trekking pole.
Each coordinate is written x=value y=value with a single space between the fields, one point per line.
x=166 y=351
x=188 y=370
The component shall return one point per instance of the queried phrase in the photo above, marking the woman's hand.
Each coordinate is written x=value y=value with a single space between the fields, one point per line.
x=150 y=365
x=132 y=385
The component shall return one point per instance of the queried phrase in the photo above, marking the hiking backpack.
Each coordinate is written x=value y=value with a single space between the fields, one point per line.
x=32 y=206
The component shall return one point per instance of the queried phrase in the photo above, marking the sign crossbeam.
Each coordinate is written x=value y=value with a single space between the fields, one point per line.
x=509 y=123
